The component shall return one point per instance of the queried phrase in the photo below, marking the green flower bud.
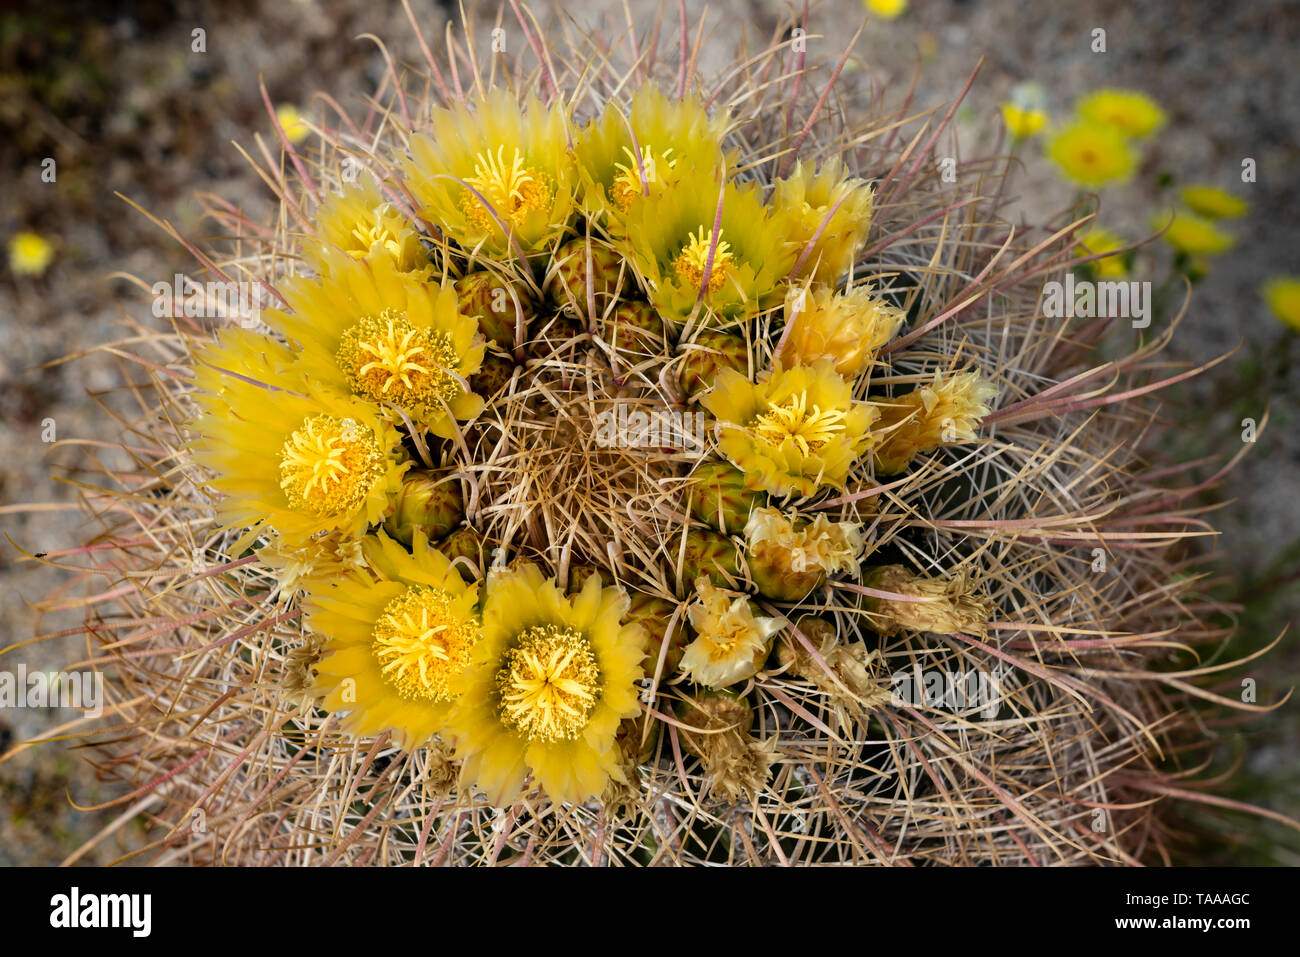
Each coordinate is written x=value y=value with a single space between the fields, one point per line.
x=493 y=376
x=654 y=615
x=712 y=555
x=488 y=300
x=427 y=501
x=719 y=497
x=708 y=355
x=572 y=275
x=635 y=331
x=466 y=543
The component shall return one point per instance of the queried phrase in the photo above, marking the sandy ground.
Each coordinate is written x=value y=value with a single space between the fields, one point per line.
x=115 y=94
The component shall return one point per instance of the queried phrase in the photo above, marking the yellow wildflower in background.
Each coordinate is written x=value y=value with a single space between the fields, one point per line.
x=804 y=201
x=1213 y=203
x=362 y=223
x=492 y=163
x=794 y=431
x=1194 y=235
x=398 y=637
x=30 y=254
x=290 y=120
x=551 y=679
x=1130 y=112
x=731 y=641
x=1092 y=154
x=1022 y=122
x=848 y=328
x=1283 y=296
x=299 y=460
x=946 y=411
x=1099 y=240
x=383 y=336
x=886 y=9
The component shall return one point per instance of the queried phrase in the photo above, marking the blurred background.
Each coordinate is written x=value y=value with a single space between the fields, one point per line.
x=117 y=96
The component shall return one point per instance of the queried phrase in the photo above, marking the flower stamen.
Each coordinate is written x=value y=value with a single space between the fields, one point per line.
x=386 y=359
x=811 y=430
x=549 y=683
x=513 y=190
x=421 y=643
x=690 y=262
x=329 y=465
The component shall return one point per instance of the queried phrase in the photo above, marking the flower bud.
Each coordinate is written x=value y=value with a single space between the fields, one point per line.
x=488 y=300
x=655 y=615
x=720 y=498
x=712 y=555
x=466 y=543
x=635 y=331
x=585 y=275
x=428 y=502
x=846 y=327
x=703 y=359
x=493 y=376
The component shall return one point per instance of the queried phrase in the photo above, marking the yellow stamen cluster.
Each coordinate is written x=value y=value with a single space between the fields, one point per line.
x=690 y=262
x=548 y=683
x=633 y=178
x=421 y=643
x=376 y=229
x=329 y=465
x=811 y=430
x=513 y=190
x=386 y=359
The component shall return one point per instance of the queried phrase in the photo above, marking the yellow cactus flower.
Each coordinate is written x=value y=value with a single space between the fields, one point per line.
x=946 y=411
x=794 y=431
x=1194 y=235
x=381 y=335
x=830 y=205
x=296 y=565
x=1283 y=296
x=398 y=637
x=848 y=328
x=285 y=455
x=1092 y=154
x=362 y=223
x=731 y=641
x=1099 y=240
x=496 y=175
x=1022 y=122
x=625 y=158
x=290 y=120
x=671 y=245
x=1213 y=203
x=1130 y=112
x=549 y=683
x=30 y=254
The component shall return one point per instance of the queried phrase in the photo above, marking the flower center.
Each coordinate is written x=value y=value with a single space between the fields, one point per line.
x=375 y=229
x=690 y=262
x=421 y=643
x=549 y=683
x=329 y=465
x=811 y=430
x=633 y=178
x=512 y=190
x=386 y=359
